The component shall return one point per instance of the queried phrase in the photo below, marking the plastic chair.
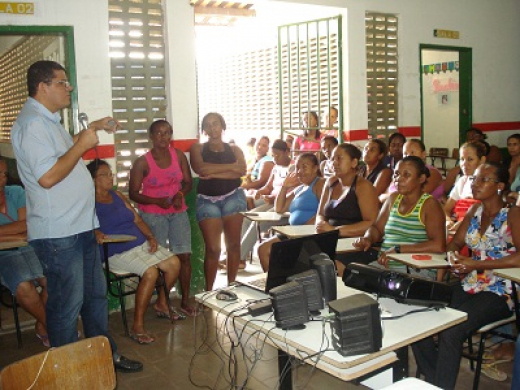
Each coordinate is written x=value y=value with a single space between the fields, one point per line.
x=118 y=278
x=14 y=306
x=85 y=364
x=489 y=329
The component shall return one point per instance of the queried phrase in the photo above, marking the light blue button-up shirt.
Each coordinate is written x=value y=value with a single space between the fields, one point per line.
x=67 y=208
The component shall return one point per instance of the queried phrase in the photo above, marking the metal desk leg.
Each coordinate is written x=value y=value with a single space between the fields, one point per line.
x=401 y=366
x=284 y=371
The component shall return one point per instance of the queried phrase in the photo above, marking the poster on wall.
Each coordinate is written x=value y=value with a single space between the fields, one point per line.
x=444 y=99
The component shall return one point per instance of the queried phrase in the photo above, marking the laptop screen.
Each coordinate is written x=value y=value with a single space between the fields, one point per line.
x=291 y=257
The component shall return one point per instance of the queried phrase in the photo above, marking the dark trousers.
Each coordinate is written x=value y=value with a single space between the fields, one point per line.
x=76 y=285
x=441 y=366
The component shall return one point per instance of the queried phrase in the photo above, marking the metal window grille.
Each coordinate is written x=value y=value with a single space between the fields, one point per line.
x=137 y=56
x=309 y=71
x=382 y=73
x=243 y=88
x=13 y=80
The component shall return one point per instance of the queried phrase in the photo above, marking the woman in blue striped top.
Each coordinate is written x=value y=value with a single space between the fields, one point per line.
x=410 y=220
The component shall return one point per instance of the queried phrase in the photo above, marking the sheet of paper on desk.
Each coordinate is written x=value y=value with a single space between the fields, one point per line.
x=391 y=308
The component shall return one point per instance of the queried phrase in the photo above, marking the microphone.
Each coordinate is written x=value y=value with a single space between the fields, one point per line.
x=83 y=120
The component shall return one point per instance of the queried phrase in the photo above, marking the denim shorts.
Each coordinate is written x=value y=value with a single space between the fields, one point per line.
x=19 y=265
x=232 y=204
x=171 y=230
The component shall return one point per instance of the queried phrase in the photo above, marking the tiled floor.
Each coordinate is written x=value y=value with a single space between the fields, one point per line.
x=180 y=360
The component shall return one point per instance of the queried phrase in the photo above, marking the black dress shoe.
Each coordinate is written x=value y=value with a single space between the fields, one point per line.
x=126 y=365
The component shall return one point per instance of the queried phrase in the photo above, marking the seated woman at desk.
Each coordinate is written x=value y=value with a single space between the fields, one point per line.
x=328 y=143
x=411 y=220
x=266 y=197
x=492 y=232
x=348 y=200
x=142 y=256
x=310 y=141
x=461 y=196
x=395 y=150
x=456 y=172
x=302 y=202
x=434 y=184
x=259 y=172
x=493 y=152
x=374 y=170
x=20 y=269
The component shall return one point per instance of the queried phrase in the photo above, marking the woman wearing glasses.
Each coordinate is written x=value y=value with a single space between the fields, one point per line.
x=492 y=232
x=142 y=256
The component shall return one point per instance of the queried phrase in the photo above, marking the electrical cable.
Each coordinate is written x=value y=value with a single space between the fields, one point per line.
x=405 y=314
x=41 y=368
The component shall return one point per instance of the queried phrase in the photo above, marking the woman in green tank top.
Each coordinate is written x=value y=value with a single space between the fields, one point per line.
x=410 y=221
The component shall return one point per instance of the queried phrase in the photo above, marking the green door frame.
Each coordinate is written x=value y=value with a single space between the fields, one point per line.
x=465 y=86
x=70 y=59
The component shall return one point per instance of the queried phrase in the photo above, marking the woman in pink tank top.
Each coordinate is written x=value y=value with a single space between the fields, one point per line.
x=158 y=182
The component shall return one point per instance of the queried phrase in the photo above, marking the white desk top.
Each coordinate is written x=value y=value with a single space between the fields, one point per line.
x=12 y=245
x=265 y=216
x=295 y=231
x=438 y=260
x=397 y=333
x=345 y=245
x=509 y=273
x=411 y=384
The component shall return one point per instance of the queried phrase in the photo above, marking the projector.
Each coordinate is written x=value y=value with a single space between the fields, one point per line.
x=397 y=285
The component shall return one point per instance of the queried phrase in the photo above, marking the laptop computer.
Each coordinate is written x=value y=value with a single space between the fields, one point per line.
x=291 y=257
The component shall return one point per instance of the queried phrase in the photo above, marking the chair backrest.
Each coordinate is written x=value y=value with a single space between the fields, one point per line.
x=439 y=152
x=84 y=364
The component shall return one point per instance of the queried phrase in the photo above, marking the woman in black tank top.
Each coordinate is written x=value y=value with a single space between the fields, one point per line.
x=374 y=170
x=349 y=202
x=219 y=198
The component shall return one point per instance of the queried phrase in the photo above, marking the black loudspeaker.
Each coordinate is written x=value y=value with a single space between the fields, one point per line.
x=322 y=263
x=312 y=287
x=356 y=328
x=290 y=306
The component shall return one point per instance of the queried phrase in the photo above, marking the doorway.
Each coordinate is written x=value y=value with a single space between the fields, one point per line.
x=446 y=87
x=19 y=47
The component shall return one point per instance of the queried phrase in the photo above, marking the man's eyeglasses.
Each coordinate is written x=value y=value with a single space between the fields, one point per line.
x=478 y=179
x=64 y=83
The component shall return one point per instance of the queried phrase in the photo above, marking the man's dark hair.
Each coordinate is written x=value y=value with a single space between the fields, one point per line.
x=41 y=72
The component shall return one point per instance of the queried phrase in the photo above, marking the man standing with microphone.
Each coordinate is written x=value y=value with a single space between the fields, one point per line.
x=60 y=209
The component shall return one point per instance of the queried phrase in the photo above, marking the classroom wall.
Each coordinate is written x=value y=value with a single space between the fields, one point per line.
x=489 y=28
x=90 y=21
